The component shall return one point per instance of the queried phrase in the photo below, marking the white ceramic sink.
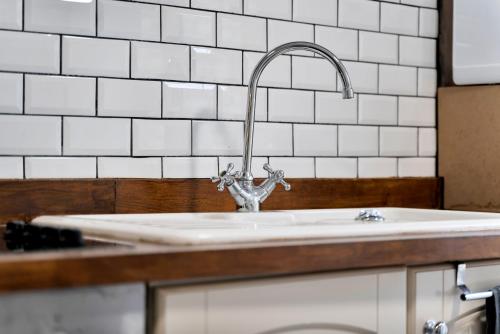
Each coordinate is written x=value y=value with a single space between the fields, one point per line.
x=335 y=224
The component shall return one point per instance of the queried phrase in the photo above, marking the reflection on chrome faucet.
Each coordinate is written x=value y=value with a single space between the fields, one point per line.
x=240 y=184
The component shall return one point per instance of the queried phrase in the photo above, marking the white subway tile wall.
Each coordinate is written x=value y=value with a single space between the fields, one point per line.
x=157 y=88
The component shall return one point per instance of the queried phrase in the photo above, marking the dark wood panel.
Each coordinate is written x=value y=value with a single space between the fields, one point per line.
x=445 y=43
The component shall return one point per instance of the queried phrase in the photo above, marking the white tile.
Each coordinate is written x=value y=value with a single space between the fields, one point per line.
x=276 y=74
x=231 y=6
x=342 y=42
x=332 y=108
x=423 y=3
x=427 y=82
x=117 y=167
x=336 y=168
x=216 y=65
x=429 y=23
x=11 y=168
x=378 y=47
x=11 y=14
x=188 y=26
x=293 y=167
x=182 y=3
x=358 y=140
x=30 y=135
x=19 y=48
x=189 y=100
x=313 y=73
x=417 y=167
x=129 y=98
x=257 y=164
x=95 y=57
x=398 y=142
x=56 y=95
x=314 y=140
x=96 y=136
x=362 y=14
x=128 y=20
x=377 y=167
x=399 y=19
x=198 y=167
x=364 y=77
x=272 y=139
x=417 y=51
x=397 y=80
x=11 y=93
x=241 y=32
x=281 y=32
x=233 y=103
x=68 y=17
x=280 y=9
x=286 y=105
x=378 y=109
x=161 y=137
x=160 y=61
x=60 y=168
x=417 y=111
x=318 y=11
x=427 y=142
x=217 y=138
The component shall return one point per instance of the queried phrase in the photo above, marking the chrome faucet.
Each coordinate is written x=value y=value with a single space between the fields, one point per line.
x=240 y=184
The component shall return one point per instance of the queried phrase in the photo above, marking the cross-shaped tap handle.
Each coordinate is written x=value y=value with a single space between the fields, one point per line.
x=278 y=176
x=226 y=177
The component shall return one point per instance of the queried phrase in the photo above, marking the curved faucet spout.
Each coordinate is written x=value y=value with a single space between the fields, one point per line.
x=348 y=93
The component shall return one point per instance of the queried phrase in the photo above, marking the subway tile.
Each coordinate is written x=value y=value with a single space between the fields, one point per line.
x=95 y=57
x=378 y=47
x=397 y=80
x=96 y=136
x=232 y=6
x=313 y=73
x=427 y=142
x=19 y=48
x=377 y=167
x=189 y=100
x=429 y=23
x=11 y=168
x=276 y=74
x=399 y=19
x=11 y=93
x=68 y=17
x=216 y=65
x=129 y=98
x=314 y=140
x=121 y=167
x=417 y=167
x=364 y=77
x=336 y=168
x=422 y=3
x=30 y=135
x=287 y=105
x=319 y=11
x=273 y=139
x=11 y=14
x=280 y=9
x=241 y=32
x=358 y=140
x=378 y=109
x=417 y=51
x=417 y=111
x=160 y=61
x=257 y=165
x=361 y=14
x=332 y=108
x=232 y=103
x=293 y=167
x=281 y=32
x=188 y=26
x=398 y=141
x=58 y=95
x=128 y=20
x=60 y=168
x=195 y=167
x=217 y=138
x=161 y=137
x=342 y=42
x=427 y=82
x=182 y=3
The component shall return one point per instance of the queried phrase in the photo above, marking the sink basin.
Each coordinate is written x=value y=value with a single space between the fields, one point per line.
x=236 y=227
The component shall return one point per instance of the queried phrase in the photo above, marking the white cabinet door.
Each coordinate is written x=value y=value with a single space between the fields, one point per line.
x=353 y=302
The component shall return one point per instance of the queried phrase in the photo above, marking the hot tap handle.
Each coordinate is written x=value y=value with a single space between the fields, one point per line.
x=226 y=177
x=278 y=175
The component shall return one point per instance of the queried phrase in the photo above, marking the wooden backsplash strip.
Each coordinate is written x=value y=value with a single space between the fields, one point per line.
x=25 y=199
x=445 y=43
